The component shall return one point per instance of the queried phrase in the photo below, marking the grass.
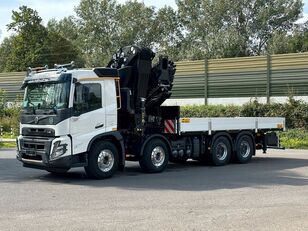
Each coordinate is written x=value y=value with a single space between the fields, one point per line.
x=8 y=136
x=7 y=145
x=294 y=139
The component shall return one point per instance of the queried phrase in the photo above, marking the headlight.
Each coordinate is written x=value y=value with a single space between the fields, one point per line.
x=58 y=150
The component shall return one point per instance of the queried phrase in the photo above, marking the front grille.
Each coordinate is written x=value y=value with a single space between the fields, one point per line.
x=35 y=149
x=34 y=146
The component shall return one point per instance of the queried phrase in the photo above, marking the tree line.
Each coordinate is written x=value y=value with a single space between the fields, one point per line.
x=196 y=29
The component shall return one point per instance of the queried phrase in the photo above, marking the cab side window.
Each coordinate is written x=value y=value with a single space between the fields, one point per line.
x=87 y=97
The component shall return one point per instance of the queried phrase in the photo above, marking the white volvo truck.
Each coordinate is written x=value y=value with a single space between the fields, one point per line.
x=99 y=118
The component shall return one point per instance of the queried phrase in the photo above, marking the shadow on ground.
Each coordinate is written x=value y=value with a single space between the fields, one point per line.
x=261 y=172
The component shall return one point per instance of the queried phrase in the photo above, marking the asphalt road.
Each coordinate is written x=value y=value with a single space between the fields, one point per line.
x=270 y=193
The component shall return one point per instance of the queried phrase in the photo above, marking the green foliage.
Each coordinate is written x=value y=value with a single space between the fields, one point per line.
x=169 y=33
x=33 y=44
x=5 y=50
x=211 y=111
x=7 y=123
x=2 y=102
x=67 y=28
x=199 y=28
x=295 y=111
x=136 y=28
x=298 y=40
x=7 y=145
x=297 y=139
x=229 y=28
x=64 y=41
x=28 y=45
x=61 y=50
x=25 y=22
x=9 y=116
x=97 y=25
x=285 y=42
x=105 y=26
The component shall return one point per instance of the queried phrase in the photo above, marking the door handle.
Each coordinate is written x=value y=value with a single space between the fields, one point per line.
x=99 y=126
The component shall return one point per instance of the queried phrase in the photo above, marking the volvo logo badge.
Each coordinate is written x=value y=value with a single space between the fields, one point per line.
x=36 y=120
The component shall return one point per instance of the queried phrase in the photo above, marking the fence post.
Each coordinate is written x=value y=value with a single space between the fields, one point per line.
x=268 y=79
x=206 y=80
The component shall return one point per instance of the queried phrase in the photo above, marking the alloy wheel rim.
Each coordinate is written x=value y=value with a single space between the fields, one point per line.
x=158 y=156
x=105 y=160
x=221 y=151
x=244 y=149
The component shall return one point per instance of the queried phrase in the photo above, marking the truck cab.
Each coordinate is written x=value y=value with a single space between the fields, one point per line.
x=62 y=113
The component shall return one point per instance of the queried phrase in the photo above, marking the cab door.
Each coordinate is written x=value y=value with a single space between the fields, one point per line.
x=89 y=117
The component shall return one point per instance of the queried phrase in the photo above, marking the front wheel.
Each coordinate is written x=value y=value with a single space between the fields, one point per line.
x=103 y=160
x=155 y=156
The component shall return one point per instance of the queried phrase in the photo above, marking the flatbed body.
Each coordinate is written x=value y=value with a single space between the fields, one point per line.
x=210 y=125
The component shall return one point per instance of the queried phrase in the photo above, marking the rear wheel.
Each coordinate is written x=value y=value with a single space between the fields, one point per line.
x=221 y=151
x=103 y=160
x=244 y=149
x=155 y=156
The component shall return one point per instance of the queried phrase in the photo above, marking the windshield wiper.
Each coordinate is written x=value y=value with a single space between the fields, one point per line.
x=33 y=107
x=49 y=111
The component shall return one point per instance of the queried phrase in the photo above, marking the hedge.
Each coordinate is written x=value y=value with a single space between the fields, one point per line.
x=295 y=111
x=294 y=139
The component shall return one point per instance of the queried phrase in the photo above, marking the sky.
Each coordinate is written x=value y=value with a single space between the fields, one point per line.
x=58 y=9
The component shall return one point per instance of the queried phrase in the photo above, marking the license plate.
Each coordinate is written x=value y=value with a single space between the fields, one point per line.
x=31 y=152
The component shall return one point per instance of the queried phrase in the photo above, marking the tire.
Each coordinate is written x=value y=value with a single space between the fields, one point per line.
x=103 y=160
x=155 y=156
x=245 y=148
x=221 y=151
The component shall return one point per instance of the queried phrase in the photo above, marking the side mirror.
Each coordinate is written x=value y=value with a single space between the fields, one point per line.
x=23 y=86
x=75 y=110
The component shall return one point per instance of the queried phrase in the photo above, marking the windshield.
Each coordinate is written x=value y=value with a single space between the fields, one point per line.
x=47 y=95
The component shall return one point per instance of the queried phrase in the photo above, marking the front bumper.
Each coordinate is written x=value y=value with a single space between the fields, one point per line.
x=36 y=152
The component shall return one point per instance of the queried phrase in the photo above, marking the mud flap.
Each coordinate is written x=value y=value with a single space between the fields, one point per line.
x=272 y=141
